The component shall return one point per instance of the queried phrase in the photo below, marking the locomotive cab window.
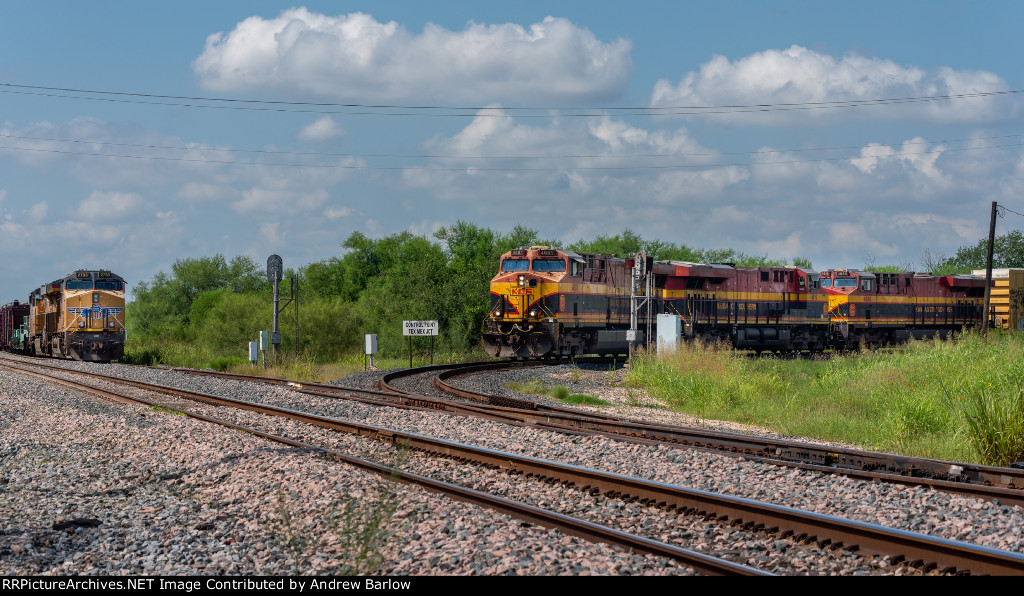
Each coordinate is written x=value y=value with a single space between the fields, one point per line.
x=576 y=269
x=78 y=284
x=548 y=265
x=515 y=265
x=114 y=286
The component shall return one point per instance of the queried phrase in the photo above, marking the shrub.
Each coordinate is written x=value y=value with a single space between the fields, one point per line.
x=560 y=393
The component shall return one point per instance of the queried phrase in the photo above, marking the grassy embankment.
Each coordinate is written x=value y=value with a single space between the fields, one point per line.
x=960 y=400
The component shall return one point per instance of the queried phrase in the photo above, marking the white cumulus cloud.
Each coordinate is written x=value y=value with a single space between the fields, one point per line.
x=358 y=58
x=321 y=130
x=885 y=201
x=338 y=212
x=800 y=76
x=106 y=206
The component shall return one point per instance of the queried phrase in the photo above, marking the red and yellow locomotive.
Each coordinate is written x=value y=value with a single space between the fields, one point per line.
x=757 y=308
x=879 y=308
x=548 y=301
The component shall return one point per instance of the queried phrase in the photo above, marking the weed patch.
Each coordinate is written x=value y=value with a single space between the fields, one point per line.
x=357 y=527
x=956 y=399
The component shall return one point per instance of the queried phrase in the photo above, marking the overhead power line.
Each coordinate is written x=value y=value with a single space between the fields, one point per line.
x=464 y=111
x=574 y=167
x=193 y=148
x=1002 y=209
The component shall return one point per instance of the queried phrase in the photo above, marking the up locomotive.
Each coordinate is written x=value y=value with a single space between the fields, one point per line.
x=549 y=301
x=79 y=316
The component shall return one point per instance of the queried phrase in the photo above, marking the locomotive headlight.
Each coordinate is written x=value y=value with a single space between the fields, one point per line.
x=522 y=280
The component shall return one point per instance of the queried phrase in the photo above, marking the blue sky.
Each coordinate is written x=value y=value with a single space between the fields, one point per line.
x=129 y=183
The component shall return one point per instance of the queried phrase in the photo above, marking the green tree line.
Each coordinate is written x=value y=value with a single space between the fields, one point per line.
x=208 y=309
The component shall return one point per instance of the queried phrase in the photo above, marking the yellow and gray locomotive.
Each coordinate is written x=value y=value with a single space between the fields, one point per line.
x=79 y=316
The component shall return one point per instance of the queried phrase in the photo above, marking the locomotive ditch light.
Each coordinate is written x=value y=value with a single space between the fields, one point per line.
x=497 y=314
x=81 y=324
x=533 y=312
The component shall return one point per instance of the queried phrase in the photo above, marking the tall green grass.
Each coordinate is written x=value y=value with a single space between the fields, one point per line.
x=959 y=399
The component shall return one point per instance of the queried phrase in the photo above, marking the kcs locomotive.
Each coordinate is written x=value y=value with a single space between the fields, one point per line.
x=549 y=301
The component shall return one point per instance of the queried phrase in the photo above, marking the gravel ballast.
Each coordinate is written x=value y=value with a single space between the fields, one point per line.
x=223 y=495
x=96 y=488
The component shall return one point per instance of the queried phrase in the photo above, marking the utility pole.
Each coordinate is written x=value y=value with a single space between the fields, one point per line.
x=988 y=268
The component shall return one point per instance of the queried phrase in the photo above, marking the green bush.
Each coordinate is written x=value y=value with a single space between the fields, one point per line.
x=223 y=363
x=142 y=356
x=560 y=393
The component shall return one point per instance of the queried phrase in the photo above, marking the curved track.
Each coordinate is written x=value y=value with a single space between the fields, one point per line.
x=1005 y=485
x=701 y=562
x=945 y=555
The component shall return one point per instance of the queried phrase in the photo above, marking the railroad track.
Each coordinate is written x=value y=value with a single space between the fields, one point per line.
x=927 y=552
x=1005 y=485
x=179 y=399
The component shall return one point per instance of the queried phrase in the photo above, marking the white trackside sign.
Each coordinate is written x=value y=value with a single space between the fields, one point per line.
x=419 y=327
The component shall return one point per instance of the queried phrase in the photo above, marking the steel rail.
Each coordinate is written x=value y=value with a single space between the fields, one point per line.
x=969 y=480
x=866 y=464
x=946 y=555
x=592 y=532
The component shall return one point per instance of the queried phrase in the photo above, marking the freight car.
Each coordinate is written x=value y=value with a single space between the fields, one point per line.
x=14 y=327
x=548 y=301
x=79 y=316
